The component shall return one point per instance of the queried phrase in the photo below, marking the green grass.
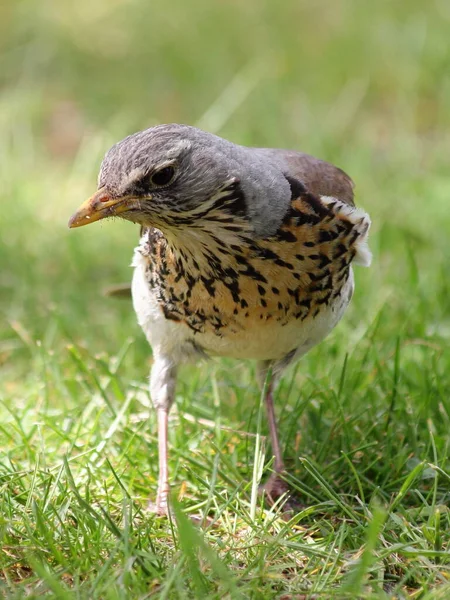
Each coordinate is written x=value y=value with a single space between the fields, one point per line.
x=364 y=417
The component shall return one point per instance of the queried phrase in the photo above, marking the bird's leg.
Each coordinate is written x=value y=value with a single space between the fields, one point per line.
x=162 y=391
x=273 y=430
x=163 y=459
x=276 y=486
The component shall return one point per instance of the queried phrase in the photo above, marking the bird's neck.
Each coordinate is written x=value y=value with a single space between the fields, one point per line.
x=209 y=234
x=208 y=246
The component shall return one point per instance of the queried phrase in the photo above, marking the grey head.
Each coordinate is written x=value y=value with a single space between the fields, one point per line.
x=176 y=169
x=167 y=174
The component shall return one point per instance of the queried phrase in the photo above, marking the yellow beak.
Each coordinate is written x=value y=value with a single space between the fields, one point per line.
x=99 y=206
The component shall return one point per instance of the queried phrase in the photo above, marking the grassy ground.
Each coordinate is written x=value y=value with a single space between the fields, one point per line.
x=364 y=418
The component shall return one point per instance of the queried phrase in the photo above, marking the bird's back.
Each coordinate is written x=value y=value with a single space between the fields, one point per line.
x=319 y=177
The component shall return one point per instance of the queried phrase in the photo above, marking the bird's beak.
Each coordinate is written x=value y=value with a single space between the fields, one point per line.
x=99 y=206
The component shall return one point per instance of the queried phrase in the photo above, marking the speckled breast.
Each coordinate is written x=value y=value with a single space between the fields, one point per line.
x=257 y=299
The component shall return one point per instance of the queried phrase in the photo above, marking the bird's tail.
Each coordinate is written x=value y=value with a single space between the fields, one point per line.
x=122 y=290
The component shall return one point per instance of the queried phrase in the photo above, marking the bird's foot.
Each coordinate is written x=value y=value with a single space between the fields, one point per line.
x=276 y=487
x=158 y=508
x=161 y=506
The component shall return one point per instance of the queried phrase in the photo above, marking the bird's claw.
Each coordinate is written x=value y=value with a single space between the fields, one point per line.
x=276 y=488
x=161 y=506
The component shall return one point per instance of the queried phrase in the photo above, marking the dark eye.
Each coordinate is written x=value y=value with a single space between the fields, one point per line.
x=163 y=177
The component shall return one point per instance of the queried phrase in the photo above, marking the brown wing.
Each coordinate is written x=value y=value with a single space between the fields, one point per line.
x=319 y=177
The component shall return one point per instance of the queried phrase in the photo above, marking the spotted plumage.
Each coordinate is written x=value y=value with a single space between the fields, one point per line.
x=221 y=286
x=244 y=252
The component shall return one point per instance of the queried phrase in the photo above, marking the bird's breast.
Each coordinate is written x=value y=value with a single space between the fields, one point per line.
x=211 y=321
x=256 y=299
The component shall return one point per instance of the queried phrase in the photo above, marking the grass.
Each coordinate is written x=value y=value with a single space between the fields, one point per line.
x=364 y=417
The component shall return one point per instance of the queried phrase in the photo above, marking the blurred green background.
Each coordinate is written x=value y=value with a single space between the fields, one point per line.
x=365 y=85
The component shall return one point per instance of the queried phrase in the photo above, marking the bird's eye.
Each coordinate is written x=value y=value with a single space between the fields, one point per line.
x=163 y=177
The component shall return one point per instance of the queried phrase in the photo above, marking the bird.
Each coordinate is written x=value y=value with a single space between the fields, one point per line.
x=244 y=253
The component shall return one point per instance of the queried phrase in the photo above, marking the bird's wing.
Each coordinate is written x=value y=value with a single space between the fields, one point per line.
x=319 y=177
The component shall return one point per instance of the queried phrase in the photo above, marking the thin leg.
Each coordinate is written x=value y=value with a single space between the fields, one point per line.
x=162 y=390
x=163 y=480
x=273 y=430
x=276 y=486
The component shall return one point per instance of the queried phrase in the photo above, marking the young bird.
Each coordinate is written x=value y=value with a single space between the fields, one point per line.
x=244 y=252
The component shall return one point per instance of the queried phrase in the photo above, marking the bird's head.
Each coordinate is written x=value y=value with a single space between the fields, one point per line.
x=163 y=175
x=172 y=176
